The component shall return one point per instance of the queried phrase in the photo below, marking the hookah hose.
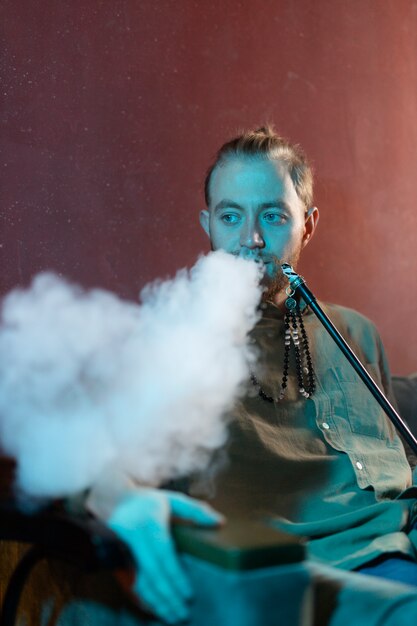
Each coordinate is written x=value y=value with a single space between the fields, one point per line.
x=298 y=284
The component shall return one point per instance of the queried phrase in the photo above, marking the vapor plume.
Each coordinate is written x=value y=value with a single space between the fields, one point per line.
x=88 y=381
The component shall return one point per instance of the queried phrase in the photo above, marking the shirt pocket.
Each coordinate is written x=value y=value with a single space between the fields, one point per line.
x=364 y=415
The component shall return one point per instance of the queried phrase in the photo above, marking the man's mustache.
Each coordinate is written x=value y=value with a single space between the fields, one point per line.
x=253 y=256
x=260 y=258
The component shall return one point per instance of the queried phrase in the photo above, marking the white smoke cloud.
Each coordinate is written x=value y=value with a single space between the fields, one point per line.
x=88 y=381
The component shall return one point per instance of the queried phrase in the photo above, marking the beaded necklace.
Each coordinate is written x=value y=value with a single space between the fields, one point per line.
x=294 y=327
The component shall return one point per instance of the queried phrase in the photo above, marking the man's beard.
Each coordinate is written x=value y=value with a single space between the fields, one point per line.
x=278 y=282
x=274 y=284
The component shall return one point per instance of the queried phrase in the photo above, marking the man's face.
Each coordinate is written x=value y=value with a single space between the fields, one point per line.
x=255 y=212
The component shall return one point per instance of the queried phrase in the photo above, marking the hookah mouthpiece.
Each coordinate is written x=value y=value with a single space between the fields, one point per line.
x=293 y=278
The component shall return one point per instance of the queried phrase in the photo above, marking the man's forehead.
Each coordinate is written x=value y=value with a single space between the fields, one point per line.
x=256 y=165
x=254 y=180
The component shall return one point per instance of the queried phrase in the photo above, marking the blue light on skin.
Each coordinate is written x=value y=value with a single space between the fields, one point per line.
x=255 y=212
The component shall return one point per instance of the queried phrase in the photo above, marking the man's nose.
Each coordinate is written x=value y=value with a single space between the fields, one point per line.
x=251 y=237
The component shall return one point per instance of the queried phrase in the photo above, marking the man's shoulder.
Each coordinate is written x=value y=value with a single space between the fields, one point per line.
x=351 y=323
x=347 y=315
x=358 y=330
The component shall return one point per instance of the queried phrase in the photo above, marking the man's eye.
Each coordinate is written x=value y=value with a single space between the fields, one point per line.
x=274 y=218
x=229 y=218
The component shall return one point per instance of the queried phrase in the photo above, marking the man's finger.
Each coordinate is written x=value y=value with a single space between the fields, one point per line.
x=166 y=555
x=158 y=593
x=158 y=564
x=154 y=548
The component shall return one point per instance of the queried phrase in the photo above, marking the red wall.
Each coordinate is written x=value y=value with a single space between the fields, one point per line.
x=112 y=111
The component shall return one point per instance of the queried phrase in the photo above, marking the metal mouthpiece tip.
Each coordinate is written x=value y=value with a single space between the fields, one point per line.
x=287 y=269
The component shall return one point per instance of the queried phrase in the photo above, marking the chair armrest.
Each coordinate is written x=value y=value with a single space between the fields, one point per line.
x=81 y=540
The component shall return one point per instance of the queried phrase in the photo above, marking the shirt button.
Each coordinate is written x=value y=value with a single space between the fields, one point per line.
x=359 y=465
x=325 y=425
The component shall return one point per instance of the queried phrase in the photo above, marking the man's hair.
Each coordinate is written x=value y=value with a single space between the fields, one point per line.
x=265 y=142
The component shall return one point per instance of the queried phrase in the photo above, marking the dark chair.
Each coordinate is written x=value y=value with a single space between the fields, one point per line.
x=405 y=392
x=81 y=541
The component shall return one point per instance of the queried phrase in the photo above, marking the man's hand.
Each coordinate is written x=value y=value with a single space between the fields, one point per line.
x=142 y=520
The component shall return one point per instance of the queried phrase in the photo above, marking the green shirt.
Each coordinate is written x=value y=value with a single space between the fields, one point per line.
x=331 y=467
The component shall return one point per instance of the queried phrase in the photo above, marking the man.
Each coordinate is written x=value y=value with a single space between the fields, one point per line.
x=309 y=447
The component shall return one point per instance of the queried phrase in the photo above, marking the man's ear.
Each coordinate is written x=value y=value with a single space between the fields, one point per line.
x=205 y=221
x=310 y=224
